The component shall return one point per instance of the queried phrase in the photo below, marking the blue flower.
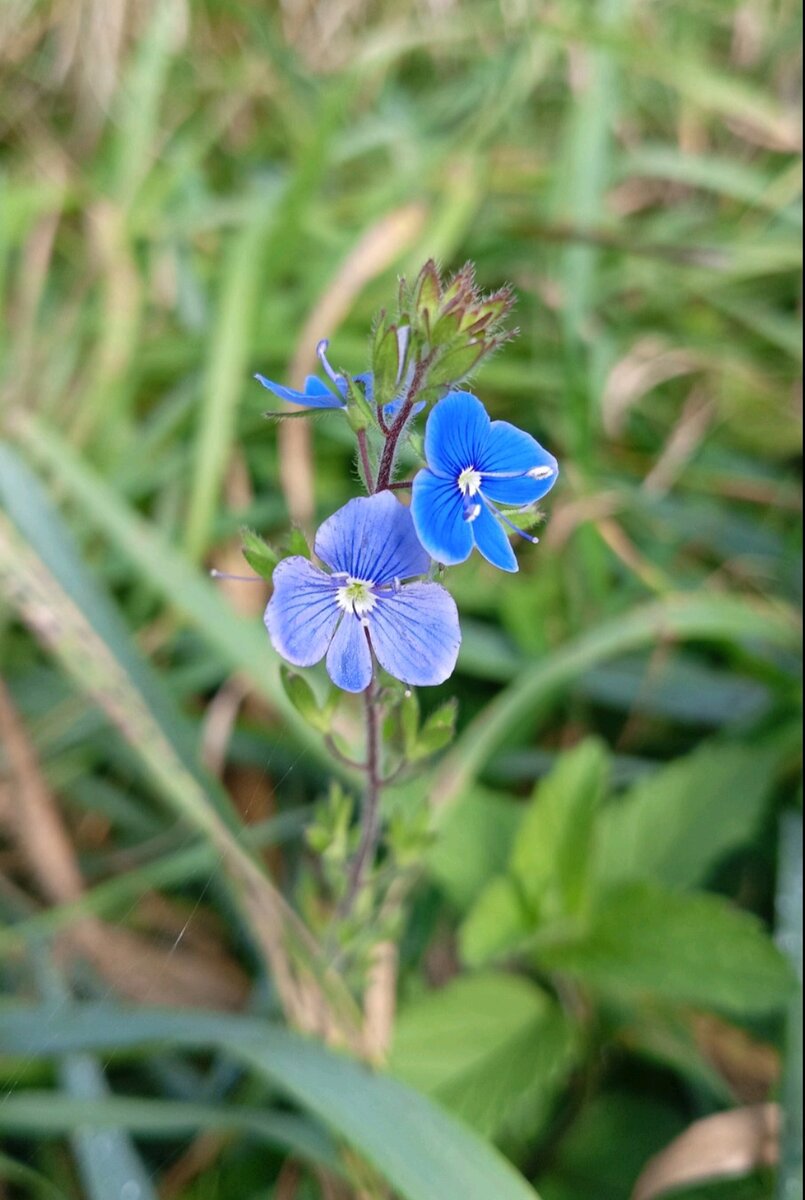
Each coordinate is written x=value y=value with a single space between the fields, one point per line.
x=364 y=604
x=317 y=394
x=475 y=464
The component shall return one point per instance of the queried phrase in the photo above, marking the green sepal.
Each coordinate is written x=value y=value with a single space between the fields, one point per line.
x=385 y=361
x=454 y=364
x=296 y=544
x=360 y=412
x=302 y=697
x=261 y=557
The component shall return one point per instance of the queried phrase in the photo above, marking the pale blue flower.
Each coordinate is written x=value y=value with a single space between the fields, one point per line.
x=366 y=603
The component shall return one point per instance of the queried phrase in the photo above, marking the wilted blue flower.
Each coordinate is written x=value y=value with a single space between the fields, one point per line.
x=371 y=548
x=475 y=464
x=317 y=394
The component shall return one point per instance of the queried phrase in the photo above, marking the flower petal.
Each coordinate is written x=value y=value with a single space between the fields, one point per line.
x=491 y=540
x=302 y=614
x=373 y=538
x=456 y=434
x=437 y=507
x=315 y=395
x=415 y=634
x=349 y=660
x=512 y=451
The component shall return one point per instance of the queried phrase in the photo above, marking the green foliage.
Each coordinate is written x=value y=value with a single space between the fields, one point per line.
x=202 y=194
x=493 y=1048
x=419 y=1149
x=677 y=824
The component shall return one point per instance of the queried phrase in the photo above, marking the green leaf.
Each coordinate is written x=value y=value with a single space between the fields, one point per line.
x=674 y=826
x=423 y=1152
x=694 y=949
x=492 y=1048
x=41 y=1113
x=473 y=845
x=258 y=554
x=108 y=1163
x=552 y=850
x=498 y=923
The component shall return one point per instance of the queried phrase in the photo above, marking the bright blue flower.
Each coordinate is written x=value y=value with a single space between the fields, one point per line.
x=475 y=464
x=365 y=604
x=317 y=394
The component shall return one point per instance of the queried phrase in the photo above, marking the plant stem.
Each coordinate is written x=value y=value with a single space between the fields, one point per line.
x=363 y=450
x=390 y=448
x=370 y=835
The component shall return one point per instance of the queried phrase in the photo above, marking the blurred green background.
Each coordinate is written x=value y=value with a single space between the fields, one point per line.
x=192 y=191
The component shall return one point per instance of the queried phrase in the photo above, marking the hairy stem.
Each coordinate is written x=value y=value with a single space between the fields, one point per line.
x=390 y=449
x=366 y=463
x=370 y=835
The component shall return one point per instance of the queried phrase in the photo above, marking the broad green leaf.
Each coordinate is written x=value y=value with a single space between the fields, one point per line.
x=492 y=1048
x=473 y=845
x=498 y=923
x=551 y=855
x=694 y=949
x=674 y=826
x=424 y=1153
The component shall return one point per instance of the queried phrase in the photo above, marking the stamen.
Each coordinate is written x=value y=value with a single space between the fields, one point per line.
x=216 y=574
x=321 y=352
x=472 y=510
x=543 y=472
x=356 y=597
x=469 y=481
x=529 y=537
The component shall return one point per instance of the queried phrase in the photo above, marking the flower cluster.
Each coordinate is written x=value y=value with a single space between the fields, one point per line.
x=375 y=602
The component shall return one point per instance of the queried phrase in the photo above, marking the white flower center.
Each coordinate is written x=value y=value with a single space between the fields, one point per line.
x=469 y=482
x=356 y=596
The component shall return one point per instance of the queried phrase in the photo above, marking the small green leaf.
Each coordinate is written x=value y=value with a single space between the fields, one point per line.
x=492 y=1048
x=261 y=557
x=692 y=949
x=674 y=826
x=552 y=854
x=473 y=845
x=497 y=923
